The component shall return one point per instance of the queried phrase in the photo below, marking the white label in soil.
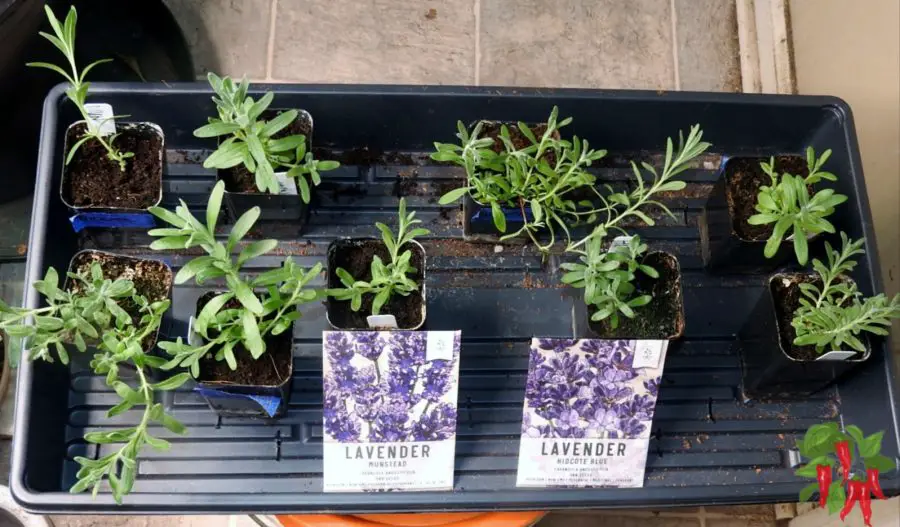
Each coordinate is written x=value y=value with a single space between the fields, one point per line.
x=836 y=355
x=619 y=241
x=100 y=116
x=193 y=338
x=648 y=352
x=286 y=185
x=439 y=345
x=382 y=321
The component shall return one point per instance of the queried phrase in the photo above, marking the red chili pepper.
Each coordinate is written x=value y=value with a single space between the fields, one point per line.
x=843 y=453
x=856 y=488
x=823 y=476
x=865 y=505
x=874 y=485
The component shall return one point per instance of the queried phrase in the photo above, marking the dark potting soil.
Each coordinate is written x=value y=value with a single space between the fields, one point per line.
x=743 y=179
x=238 y=178
x=93 y=180
x=786 y=294
x=355 y=256
x=492 y=129
x=272 y=368
x=151 y=278
x=663 y=317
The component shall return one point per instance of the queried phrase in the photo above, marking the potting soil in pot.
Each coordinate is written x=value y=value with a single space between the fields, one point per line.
x=663 y=317
x=93 y=180
x=358 y=262
x=389 y=409
x=588 y=412
x=270 y=369
x=743 y=178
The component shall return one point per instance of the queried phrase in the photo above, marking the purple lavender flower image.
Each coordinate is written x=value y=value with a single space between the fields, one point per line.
x=631 y=428
x=652 y=386
x=604 y=420
x=365 y=343
x=435 y=423
x=436 y=380
x=587 y=388
x=556 y=345
x=382 y=387
x=391 y=422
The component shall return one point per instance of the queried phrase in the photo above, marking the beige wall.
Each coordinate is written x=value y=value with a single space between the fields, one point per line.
x=851 y=48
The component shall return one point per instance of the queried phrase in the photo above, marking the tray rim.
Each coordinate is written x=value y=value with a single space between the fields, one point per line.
x=502 y=499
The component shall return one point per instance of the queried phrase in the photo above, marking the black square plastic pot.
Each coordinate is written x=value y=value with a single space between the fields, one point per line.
x=130 y=261
x=722 y=248
x=111 y=216
x=669 y=324
x=248 y=400
x=338 y=311
x=274 y=207
x=768 y=371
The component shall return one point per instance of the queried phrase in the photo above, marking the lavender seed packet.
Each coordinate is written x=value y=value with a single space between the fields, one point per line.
x=389 y=409
x=588 y=412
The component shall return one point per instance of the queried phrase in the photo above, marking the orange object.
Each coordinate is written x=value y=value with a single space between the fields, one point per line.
x=451 y=519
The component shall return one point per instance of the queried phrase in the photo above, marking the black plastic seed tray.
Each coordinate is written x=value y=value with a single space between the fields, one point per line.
x=709 y=447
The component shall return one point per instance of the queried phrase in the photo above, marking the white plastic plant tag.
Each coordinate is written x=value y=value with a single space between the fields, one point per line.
x=648 y=352
x=382 y=321
x=193 y=339
x=286 y=185
x=836 y=355
x=619 y=241
x=100 y=116
x=439 y=345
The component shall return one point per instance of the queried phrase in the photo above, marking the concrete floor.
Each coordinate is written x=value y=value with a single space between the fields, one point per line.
x=649 y=44
x=639 y=44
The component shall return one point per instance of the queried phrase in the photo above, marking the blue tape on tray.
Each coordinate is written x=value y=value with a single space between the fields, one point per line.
x=268 y=403
x=485 y=214
x=135 y=220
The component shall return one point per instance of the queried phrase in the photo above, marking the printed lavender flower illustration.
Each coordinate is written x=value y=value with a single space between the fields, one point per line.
x=555 y=344
x=380 y=387
x=587 y=389
x=652 y=386
x=436 y=423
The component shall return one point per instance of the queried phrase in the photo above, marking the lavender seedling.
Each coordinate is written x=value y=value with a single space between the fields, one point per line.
x=607 y=278
x=222 y=324
x=393 y=278
x=540 y=176
x=64 y=39
x=79 y=316
x=835 y=313
x=251 y=140
x=787 y=204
